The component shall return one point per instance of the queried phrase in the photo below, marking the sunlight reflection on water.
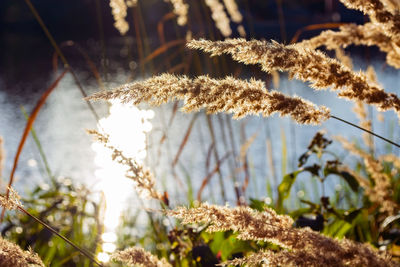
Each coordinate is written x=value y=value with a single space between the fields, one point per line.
x=127 y=127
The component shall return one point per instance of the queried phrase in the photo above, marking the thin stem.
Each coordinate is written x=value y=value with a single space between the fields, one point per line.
x=365 y=130
x=61 y=55
x=46 y=31
x=40 y=148
x=81 y=250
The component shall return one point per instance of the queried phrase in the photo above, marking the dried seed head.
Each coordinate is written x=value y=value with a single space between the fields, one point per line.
x=229 y=95
x=12 y=202
x=306 y=65
x=138 y=256
x=11 y=255
x=220 y=17
x=180 y=10
x=143 y=178
x=119 y=11
x=300 y=246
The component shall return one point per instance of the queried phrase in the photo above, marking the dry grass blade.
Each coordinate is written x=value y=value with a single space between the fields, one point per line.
x=28 y=127
x=207 y=179
x=85 y=55
x=243 y=156
x=313 y=27
x=162 y=49
x=160 y=26
x=184 y=140
x=245 y=147
x=209 y=154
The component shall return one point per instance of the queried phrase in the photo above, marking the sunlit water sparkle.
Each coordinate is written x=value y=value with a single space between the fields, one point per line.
x=127 y=127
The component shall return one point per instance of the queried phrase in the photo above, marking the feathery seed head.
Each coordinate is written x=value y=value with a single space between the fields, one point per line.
x=138 y=256
x=11 y=255
x=229 y=95
x=304 y=64
x=12 y=202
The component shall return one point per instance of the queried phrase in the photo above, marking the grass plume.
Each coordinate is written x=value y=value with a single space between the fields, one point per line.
x=229 y=95
x=119 y=11
x=368 y=34
x=143 y=178
x=303 y=64
x=11 y=255
x=302 y=246
x=380 y=191
x=135 y=256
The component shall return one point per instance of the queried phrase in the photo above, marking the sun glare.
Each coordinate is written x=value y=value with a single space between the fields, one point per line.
x=127 y=127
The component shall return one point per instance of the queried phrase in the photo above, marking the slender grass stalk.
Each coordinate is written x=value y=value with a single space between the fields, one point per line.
x=235 y=161
x=61 y=55
x=232 y=167
x=281 y=17
x=139 y=41
x=84 y=252
x=284 y=158
x=217 y=158
x=145 y=37
x=184 y=140
x=88 y=61
x=243 y=155
x=40 y=148
x=102 y=39
x=365 y=130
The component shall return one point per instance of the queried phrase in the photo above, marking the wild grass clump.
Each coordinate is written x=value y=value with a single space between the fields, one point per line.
x=357 y=225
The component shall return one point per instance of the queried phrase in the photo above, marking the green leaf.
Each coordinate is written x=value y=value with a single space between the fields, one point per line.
x=350 y=179
x=257 y=204
x=337 y=229
x=285 y=186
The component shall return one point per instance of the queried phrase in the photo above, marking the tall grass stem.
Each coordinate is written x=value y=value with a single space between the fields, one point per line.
x=365 y=130
x=81 y=250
